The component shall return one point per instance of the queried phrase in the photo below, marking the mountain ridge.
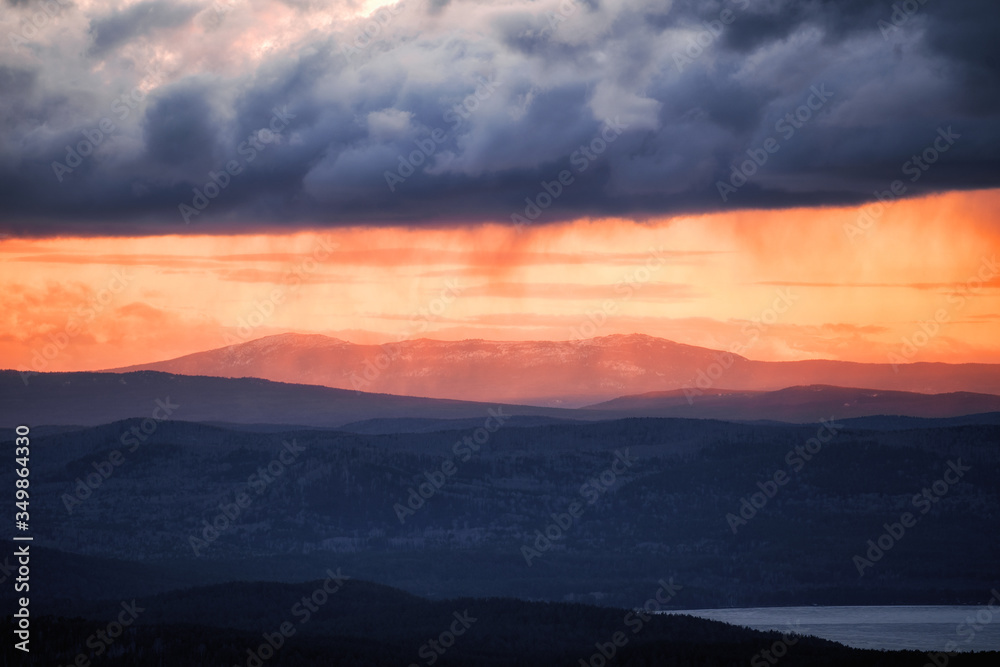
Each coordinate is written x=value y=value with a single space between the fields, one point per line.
x=801 y=404
x=88 y=399
x=552 y=373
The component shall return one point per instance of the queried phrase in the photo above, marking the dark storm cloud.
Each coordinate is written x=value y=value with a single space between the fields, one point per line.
x=121 y=26
x=16 y=83
x=179 y=127
x=504 y=99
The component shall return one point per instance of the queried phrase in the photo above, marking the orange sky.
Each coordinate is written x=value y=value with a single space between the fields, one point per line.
x=854 y=293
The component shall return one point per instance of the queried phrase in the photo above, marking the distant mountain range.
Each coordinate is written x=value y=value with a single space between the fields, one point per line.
x=552 y=373
x=364 y=623
x=90 y=399
x=799 y=404
x=380 y=507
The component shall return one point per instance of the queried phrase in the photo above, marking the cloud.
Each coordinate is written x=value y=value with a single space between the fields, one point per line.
x=250 y=275
x=120 y=26
x=478 y=106
x=562 y=291
x=944 y=288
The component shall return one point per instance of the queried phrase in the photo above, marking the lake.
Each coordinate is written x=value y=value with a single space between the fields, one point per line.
x=920 y=628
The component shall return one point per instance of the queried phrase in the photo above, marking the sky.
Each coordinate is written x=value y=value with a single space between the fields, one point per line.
x=178 y=176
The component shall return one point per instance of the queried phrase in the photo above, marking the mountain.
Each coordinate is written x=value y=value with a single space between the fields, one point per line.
x=89 y=399
x=554 y=373
x=887 y=423
x=799 y=404
x=361 y=623
x=740 y=514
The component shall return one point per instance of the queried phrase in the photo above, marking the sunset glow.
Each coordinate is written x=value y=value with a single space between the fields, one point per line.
x=856 y=293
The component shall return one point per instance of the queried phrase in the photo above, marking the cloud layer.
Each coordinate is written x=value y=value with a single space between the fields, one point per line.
x=125 y=118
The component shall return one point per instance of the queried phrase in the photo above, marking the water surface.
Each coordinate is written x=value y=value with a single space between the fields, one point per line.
x=920 y=628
